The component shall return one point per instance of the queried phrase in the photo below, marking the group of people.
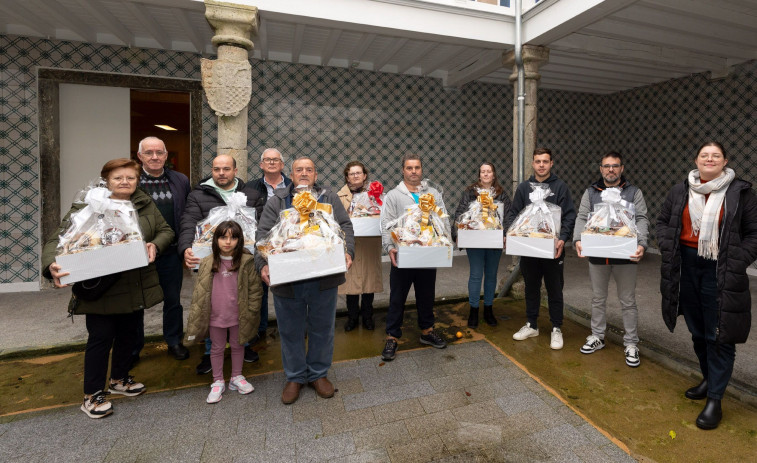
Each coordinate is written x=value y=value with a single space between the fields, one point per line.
x=707 y=234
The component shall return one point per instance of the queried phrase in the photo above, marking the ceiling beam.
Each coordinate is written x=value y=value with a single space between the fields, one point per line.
x=444 y=57
x=365 y=41
x=605 y=48
x=155 y=31
x=714 y=12
x=67 y=17
x=586 y=86
x=562 y=18
x=24 y=17
x=652 y=35
x=591 y=63
x=596 y=78
x=182 y=17
x=328 y=49
x=299 y=33
x=424 y=49
x=486 y=62
x=113 y=25
x=388 y=53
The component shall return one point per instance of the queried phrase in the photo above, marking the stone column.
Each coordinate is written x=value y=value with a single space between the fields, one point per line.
x=533 y=58
x=228 y=80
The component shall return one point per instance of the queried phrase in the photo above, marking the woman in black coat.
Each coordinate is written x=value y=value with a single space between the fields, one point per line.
x=707 y=233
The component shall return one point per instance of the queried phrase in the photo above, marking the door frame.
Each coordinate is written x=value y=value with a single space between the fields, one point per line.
x=49 y=81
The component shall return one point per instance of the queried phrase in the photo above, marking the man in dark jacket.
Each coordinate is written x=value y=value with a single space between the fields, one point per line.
x=305 y=305
x=551 y=270
x=623 y=270
x=272 y=164
x=168 y=190
x=212 y=192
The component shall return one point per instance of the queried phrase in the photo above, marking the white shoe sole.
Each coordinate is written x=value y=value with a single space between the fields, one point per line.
x=586 y=351
x=96 y=415
x=519 y=338
x=234 y=388
x=127 y=393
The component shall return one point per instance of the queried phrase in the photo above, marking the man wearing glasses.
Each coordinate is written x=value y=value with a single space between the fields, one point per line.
x=169 y=190
x=272 y=164
x=623 y=270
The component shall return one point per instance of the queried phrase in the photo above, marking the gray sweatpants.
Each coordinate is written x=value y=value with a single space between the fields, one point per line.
x=625 y=281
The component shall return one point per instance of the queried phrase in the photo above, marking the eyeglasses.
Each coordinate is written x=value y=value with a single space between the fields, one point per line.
x=271 y=160
x=355 y=174
x=610 y=166
x=150 y=154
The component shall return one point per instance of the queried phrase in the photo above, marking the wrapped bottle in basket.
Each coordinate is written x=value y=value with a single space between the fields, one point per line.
x=237 y=210
x=103 y=238
x=481 y=225
x=365 y=210
x=610 y=229
x=306 y=242
x=535 y=231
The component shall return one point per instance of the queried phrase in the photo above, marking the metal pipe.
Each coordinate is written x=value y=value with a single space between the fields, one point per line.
x=520 y=94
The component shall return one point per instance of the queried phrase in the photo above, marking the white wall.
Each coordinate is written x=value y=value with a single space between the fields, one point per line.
x=94 y=128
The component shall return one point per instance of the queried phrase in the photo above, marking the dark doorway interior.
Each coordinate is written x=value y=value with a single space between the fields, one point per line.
x=150 y=108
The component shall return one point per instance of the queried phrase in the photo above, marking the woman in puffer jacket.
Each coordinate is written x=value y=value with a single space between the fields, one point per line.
x=707 y=234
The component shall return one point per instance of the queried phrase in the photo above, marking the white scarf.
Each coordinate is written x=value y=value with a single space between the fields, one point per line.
x=705 y=214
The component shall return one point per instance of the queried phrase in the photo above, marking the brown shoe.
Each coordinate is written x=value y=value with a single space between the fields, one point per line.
x=323 y=387
x=291 y=392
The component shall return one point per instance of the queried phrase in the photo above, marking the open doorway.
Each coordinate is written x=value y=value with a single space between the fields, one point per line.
x=166 y=115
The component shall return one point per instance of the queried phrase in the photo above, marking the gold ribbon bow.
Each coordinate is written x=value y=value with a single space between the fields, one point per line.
x=305 y=204
x=487 y=204
x=427 y=204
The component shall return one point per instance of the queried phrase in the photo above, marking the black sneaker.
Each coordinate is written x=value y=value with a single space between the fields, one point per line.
x=250 y=356
x=204 y=367
x=432 y=339
x=390 y=350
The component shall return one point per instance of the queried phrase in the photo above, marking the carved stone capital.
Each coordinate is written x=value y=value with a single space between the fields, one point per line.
x=233 y=24
x=533 y=58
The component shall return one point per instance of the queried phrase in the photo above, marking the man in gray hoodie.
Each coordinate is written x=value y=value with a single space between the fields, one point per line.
x=423 y=280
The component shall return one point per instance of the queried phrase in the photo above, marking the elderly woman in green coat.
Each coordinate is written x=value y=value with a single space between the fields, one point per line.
x=113 y=319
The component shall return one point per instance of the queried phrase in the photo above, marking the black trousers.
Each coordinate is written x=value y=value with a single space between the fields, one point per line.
x=106 y=332
x=400 y=281
x=551 y=271
x=356 y=309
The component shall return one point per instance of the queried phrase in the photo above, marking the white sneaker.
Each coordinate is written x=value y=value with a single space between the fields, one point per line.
x=126 y=386
x=632 y=356
x=593 y=343
x=526 y=332
x=556 y=339
x=97 y=405
x=216 y=392
x=239 y=383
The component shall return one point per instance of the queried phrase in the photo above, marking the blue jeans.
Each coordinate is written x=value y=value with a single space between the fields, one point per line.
x=310 y=312
x=699 y=304
x=484 y=264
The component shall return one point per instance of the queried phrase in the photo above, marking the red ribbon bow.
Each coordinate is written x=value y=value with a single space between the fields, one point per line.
x=375 y=190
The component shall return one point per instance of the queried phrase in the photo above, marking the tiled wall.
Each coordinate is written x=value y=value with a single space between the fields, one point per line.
x=657 y=128
x=336 y=115
x=333 y=115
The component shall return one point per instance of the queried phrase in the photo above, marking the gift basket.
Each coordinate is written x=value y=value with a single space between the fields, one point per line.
x=610 y=229
x=102 y=238
x=535 y=230
x=422 y=235
x=306 y=241
x=365 y=210
x=481 y=226
x=237 y=210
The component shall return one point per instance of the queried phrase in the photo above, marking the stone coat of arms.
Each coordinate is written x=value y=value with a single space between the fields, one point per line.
x=227 y=84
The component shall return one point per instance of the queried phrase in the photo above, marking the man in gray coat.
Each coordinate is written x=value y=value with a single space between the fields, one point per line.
x=623 y=270
x=306 y=306
x=407 y=193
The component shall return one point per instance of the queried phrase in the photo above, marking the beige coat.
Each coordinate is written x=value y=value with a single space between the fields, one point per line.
x=365 y=274
x=249 y=297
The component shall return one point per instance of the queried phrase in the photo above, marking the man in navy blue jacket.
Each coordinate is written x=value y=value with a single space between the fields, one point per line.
x=535 y=269
x=169 y=190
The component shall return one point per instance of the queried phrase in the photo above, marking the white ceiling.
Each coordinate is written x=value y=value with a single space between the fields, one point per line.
x=597 y=46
